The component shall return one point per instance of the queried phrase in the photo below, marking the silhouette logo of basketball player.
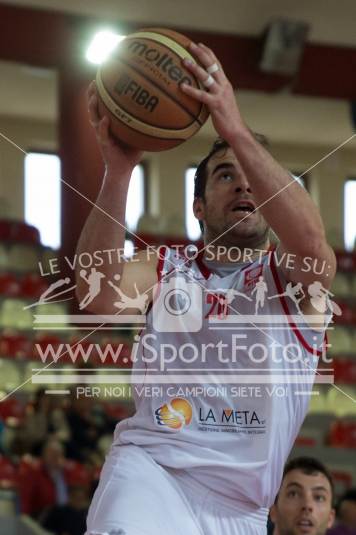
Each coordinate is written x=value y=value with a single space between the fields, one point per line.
x=140 y=301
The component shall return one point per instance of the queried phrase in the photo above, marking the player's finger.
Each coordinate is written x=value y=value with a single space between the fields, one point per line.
x=198 y=94
x=93 y=110
x=103 y=130
x=205 y=78
x=91 y=89
x=207 y=58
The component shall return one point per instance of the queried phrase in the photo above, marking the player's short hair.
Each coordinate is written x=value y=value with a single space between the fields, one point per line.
x=309 y=466
x=200 y=177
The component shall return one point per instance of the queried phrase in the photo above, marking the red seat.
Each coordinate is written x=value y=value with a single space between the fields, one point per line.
x=18 y=231
x=342 y=477
x=96 y=473
x=8 y=475
x=15 y=345
x=5 y=230
x=117 y=411
x=33 y=285
x=348 y=314
x=77 y=474
x=346 y=261
x=302 y=442
x=27 y=465
x=342 y=481
x=9 y=285
x=12 y=409
x=24 y=233
x=345 y=370
x=343 y=434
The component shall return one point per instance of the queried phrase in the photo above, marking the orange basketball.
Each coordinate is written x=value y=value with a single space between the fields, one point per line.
x=139 y=90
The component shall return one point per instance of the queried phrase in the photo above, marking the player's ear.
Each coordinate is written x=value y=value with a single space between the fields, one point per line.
x=273 y=513
x=331 y=518
x=198 y=208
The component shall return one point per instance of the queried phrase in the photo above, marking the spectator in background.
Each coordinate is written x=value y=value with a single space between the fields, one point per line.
x=68 y=519
x=43 y=419
x=59 y=422
x=36 y=426
x=85 y=428
x=43 y=483
x=346 y=514
x=304 y=504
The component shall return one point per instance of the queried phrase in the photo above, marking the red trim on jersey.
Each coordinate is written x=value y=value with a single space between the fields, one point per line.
x=287 y=313
x=159 y=270
x=160 y=262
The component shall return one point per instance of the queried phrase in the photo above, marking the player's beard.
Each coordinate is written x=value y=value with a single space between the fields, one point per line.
x=253 y=238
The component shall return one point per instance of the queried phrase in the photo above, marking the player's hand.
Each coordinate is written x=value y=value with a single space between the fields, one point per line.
x=219 y=96
x=118 y=157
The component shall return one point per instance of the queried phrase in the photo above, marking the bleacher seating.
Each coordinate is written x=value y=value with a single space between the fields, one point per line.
x=18 y=231
x=341 y=285
x=340 y=340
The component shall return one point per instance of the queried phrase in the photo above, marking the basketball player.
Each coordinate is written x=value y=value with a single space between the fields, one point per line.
x=304 y=504
x=188 y=461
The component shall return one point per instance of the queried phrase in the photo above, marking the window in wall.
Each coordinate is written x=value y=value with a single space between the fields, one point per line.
x=43 y=196
x=350 y=214
x=191 y=223
x=136 y=198
x=129 y=248
x=304 y=180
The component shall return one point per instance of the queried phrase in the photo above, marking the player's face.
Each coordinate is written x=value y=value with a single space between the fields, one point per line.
x=304 y=505
x=229 y=204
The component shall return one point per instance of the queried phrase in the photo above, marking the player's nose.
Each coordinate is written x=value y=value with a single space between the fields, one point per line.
x=243 y=186
x=308 y=504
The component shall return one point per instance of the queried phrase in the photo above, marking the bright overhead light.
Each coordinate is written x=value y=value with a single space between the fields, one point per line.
x=102 y=45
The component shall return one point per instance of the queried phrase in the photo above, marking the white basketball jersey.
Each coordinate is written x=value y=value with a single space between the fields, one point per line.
x=222 y=376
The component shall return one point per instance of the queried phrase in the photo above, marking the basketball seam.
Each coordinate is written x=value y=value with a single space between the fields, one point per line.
x=138 y=131
x=110 y=93
x=134 y=68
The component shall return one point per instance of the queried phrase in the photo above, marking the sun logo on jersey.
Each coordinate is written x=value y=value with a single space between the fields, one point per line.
x=174 y=414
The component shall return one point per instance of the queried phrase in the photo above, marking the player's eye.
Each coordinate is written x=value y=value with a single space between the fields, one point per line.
x=320 y=498
x=226 y=177
x=292 y=494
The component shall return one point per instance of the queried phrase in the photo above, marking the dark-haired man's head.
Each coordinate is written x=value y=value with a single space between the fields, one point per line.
x=346 y=510
x=53 y=454
x=224 y=202
x=304 y=504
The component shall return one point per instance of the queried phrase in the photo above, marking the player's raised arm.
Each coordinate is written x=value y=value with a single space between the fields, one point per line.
x=286 y=206
x=105 y=226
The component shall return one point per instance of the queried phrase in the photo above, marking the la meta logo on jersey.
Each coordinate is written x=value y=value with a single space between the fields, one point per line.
x=231 y=420
x=178 y=413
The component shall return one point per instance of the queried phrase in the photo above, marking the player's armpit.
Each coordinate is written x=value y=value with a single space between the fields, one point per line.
x=133 y=290
x=129 y=288
x=313 y=278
